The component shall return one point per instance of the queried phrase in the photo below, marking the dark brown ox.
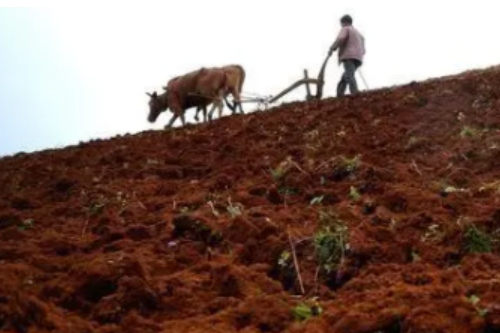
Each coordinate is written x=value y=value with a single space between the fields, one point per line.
x=195 y=89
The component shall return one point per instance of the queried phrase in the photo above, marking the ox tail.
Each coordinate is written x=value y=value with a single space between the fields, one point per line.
x=242 y=81
x=242 y=77
x=225 y=87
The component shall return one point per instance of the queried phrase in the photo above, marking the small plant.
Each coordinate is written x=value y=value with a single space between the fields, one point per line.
x=415 y=257
x=312 y=140
x=96 y=209
x=448 y=189
x=354 y=194
x=286 y=269
x=234 y=210
x=277 y=174
x=412 y=142
x=26 y=224
x=468 y=132
x=285 y=260
x=215 y=237
x=212 y=207
x=304 y=311
x=477 y=241
x=434 y=233
x=461 y=116
x=207 y=234
x=288 y=191
x=350 y=164
x=331 y=242
x=317 y=200
x=347 y=167
x=482 y=312
x=369 y=207
x=312 y=135
x=493 y=186
x=281 y=170
x=188 y=225
x=184 y=210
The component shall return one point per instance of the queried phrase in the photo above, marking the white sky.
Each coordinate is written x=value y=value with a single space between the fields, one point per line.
x=75 y=70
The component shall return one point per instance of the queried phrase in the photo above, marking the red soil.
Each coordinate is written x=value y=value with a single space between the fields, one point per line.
x=119 y=236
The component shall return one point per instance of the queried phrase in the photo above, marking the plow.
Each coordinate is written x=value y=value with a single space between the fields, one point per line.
x=319 y=82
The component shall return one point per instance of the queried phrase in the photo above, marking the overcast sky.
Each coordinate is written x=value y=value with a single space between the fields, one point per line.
x=75 y=70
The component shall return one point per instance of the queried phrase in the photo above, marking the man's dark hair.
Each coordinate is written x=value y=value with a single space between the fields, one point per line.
x=346 y=19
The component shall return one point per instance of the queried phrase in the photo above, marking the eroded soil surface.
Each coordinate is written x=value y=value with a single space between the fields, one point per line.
x=190 y=230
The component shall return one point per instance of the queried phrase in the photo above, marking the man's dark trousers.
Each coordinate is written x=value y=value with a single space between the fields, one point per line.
x=348 y=79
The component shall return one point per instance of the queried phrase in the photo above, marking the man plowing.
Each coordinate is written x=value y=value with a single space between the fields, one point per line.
x=351 y=46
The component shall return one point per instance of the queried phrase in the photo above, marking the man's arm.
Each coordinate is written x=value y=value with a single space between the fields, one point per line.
x=341 y=39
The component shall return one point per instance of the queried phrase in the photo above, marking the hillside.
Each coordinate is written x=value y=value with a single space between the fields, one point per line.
x=391 y=200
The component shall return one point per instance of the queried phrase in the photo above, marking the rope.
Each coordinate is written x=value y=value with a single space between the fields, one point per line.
x=261 y=101
x=252 y=94
x=200 y=95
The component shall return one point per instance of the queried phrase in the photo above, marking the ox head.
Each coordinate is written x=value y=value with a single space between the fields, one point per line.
x=157 y=105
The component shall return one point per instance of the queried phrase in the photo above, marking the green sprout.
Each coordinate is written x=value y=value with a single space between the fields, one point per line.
x=26 y=224
x=350 y=164
x=477 y=241
x=474 y=300
x=413 y=141
x=317 y=200
x=234 y=210
x=468 y=132
x=285 y=259
x=331 y=242
x=354 y=194
x=303 y=312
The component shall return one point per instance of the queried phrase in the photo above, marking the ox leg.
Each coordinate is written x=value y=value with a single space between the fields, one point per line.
x=205 y=114
x=196 y=114
x=220 y=107
x=217 y=103
x=211 y=113
x=183 y=120
x=237 y=101
x=171 y=122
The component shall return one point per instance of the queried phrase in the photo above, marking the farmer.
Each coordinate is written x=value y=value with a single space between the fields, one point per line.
x=351 y=46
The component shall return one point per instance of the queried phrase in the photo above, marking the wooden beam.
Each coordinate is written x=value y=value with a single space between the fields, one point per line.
x=308 y=88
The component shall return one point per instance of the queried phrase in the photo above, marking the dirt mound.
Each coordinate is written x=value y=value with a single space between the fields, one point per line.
x=387 y=204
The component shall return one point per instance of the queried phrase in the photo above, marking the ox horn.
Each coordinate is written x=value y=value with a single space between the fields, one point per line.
x=165 y=88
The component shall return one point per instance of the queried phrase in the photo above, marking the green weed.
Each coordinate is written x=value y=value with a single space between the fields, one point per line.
x=330 y=242
x=477 y=241
x=304 y=311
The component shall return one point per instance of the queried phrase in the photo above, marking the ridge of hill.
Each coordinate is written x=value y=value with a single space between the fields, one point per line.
x=387 y=203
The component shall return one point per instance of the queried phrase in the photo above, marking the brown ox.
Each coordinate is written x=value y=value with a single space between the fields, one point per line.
x=235 y=80
x=195 y=89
